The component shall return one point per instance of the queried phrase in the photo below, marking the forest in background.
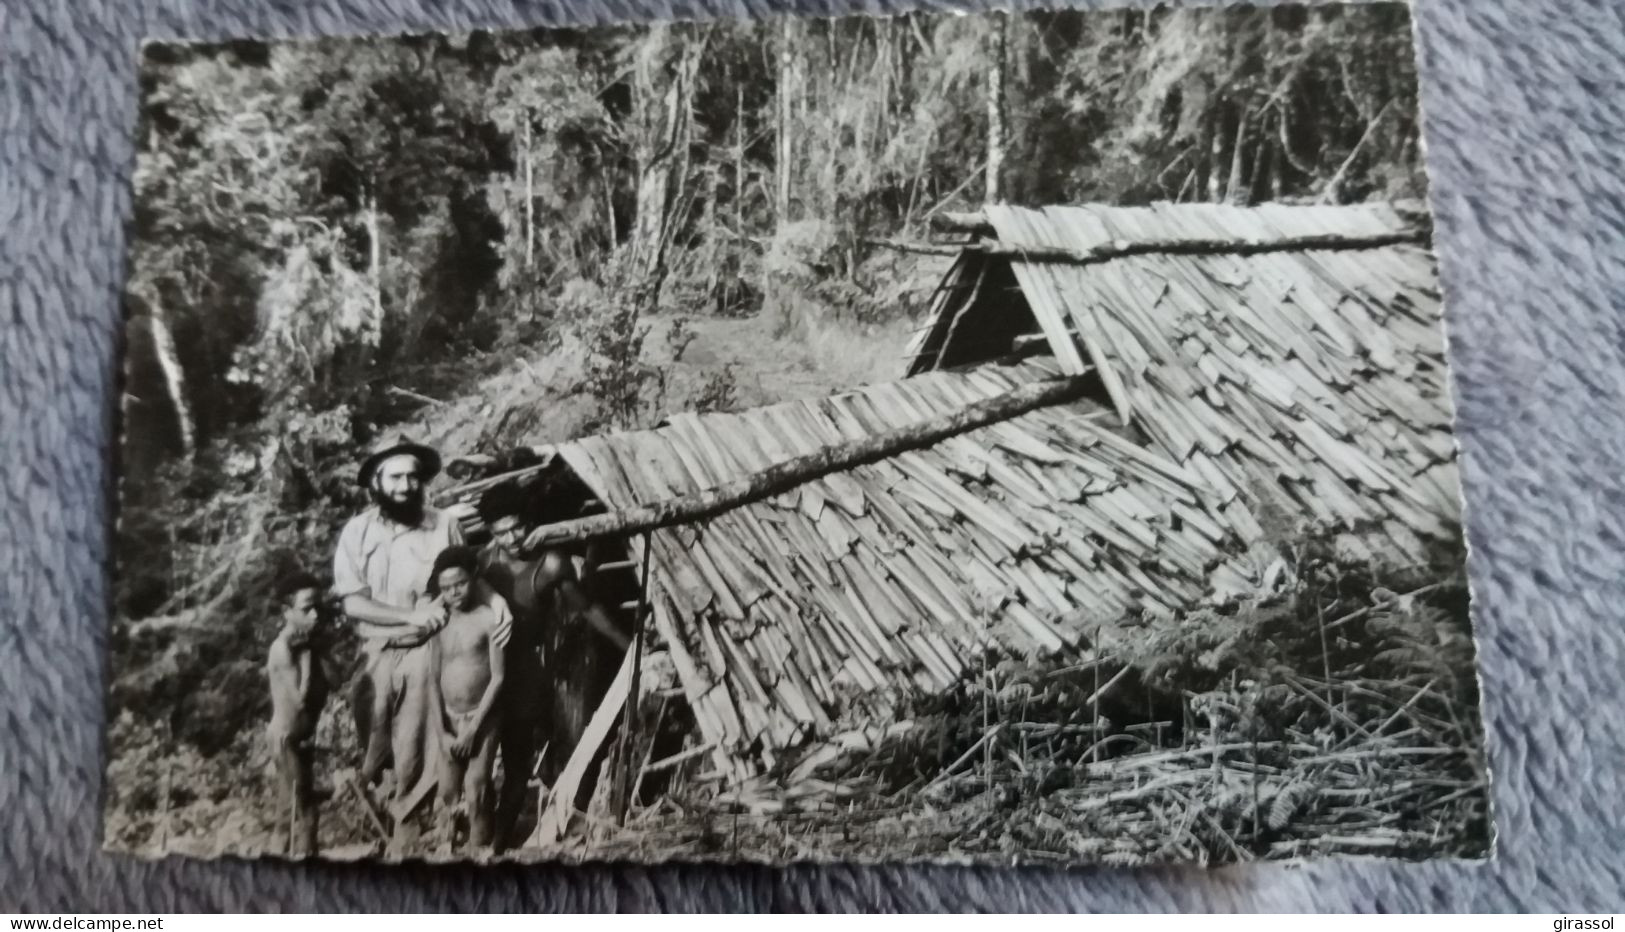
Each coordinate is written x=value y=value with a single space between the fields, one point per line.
x=335 y=236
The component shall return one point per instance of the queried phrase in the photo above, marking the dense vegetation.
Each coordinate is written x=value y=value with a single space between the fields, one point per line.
x=335 y=236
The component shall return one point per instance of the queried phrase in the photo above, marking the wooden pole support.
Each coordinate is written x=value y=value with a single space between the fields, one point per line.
x=623 y=755
x=798 y=470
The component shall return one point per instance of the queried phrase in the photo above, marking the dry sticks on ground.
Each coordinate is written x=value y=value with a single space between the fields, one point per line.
x=1087 y=762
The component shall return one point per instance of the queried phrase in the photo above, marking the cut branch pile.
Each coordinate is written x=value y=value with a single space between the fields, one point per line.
x=1383 y=768
x=1090 y=761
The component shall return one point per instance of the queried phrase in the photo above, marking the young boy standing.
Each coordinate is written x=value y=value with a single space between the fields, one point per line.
x=471 y=649
x=298 y=690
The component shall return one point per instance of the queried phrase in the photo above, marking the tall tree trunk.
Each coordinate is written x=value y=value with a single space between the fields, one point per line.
x=786 y=116
x=739 y=160
x=530 y=199
x=163 y=343
x=997 y=26
x=1203 y=171
x=663 y=101
x=375 y=257
x=885 y=51
x=709 y=222
x=1019 y=38
x=1236 y=192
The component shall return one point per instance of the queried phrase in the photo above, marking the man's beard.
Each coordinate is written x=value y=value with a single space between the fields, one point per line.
x=408 y=512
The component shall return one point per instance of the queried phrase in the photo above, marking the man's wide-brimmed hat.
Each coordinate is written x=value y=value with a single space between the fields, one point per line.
x=397 y=445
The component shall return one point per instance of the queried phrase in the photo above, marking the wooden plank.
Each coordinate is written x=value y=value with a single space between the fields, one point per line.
x=932 y=604
x=695 y=681
x=871 y=644
x=1051 y=590
x=555 y=817
x=1241 y=519
x=962 y=501
x=1046 y=637
x=1085 y=516
x=925 y=499
x=1214 y=477
x=1111 y=506
x=718 y=576
x=951 y=658
x=1050 y=310
x=895 y=519
x=882 y=598
x=1160 y=464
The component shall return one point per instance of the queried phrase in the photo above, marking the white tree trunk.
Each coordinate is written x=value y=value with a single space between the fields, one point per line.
x=663 y=98
x=1215 y=174
x=739 y=160
x=530 y=199
x=786 y=92
x=1236 y=188
x=995 y=106
x=375 y=261
x=174 y=377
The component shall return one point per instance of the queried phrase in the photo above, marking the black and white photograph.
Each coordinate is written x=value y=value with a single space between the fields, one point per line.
x=1017 y=438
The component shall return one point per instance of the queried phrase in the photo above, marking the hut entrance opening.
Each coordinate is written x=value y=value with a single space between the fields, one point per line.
x=983 y=316
x=581 y=661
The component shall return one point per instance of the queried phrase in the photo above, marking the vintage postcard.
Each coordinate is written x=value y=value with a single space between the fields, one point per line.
x=1006 y=438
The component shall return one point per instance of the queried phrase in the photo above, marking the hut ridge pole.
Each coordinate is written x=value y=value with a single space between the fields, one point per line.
x=799 y=470
x=1121 y=249
x=629 y=715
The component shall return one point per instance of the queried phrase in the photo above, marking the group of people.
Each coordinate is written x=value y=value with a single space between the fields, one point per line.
x=466 y=654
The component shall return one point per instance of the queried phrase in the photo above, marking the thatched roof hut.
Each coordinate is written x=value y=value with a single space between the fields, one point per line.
x=788 y=617
x=1291 y=356
x=1251 y=366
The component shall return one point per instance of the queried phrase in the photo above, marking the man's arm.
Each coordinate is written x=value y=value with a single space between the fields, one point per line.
x=374 y=620
x=412 y=639
x=376 y=617
x=557 y=570
x=575 y=598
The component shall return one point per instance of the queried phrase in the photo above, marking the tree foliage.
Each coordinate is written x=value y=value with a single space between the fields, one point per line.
x=318 y=217
x=323 y=228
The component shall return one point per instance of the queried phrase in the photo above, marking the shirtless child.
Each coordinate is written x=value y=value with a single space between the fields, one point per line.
x=298 y=689
x=471 y=659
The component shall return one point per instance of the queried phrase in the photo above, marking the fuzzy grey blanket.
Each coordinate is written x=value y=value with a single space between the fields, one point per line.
x=1525 y=112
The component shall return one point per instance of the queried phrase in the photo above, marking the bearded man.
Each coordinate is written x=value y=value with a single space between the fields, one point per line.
x=381 y=571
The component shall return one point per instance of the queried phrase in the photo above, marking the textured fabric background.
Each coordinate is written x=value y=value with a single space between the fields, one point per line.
x=1525 y=111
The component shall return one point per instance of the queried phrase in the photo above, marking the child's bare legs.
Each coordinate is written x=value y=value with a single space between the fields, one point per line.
x=450 y=791
x=295 y=766
x=478 y=791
